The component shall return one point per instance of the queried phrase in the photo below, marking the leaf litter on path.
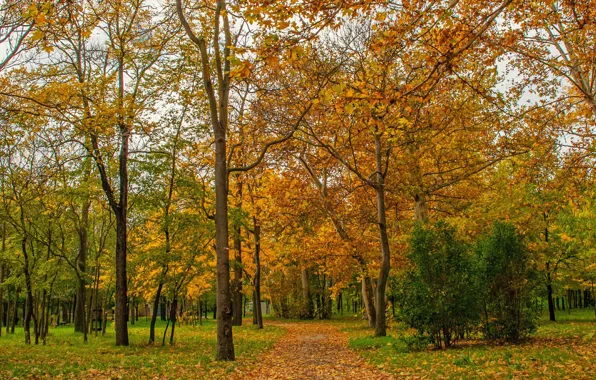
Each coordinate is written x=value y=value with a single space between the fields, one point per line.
x=314 y=350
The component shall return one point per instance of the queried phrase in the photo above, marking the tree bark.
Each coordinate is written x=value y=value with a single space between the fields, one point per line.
x=257 y=307
x=381 y=323
x=119 y=207
x=29 y=302
x=237 y=286
x=368 y=299
x=420 y=207
x=2 y=280
x=121 y=281
x=15 y=310
x=173 y=316
x=307 y=308
x=79 y=317
x=549 y=292
x=154 y=312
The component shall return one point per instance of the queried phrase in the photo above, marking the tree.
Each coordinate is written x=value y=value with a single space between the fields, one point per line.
x=439 y=295
x=510 y=307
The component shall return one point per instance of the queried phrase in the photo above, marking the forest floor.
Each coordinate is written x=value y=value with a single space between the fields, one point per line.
x=342 y=348
x=565 y=349
x=66 y=356
x=310 y=350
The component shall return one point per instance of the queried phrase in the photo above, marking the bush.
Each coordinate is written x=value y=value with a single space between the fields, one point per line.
x=438 y=295
x=510 y=310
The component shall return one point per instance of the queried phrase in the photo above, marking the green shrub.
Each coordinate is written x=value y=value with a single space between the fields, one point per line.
x=438 y=295
x=414 y=343
x=508 y=281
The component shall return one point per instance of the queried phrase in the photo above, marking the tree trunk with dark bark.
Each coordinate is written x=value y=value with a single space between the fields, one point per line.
x=257 y=307
x=381 y=323
x=173 y=316
x=79 y=317
x=121 y=281
x=237 y=286
x=28 y=315
x=307 y=307
x=154 y=313
x=549 y=292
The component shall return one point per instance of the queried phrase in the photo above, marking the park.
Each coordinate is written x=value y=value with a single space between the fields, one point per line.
x=297 y=189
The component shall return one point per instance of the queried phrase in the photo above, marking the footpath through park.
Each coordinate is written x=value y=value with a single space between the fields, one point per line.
x=310 y=350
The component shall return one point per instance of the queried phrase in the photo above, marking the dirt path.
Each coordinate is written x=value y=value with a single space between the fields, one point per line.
x=310 y=351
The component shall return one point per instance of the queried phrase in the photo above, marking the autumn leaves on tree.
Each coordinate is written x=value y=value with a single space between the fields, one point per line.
x=165 y=152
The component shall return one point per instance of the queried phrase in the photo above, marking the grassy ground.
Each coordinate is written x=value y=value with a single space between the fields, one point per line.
x=562 y=349
x=67 y=356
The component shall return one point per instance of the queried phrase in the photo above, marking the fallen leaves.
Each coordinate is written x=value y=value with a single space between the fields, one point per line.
x=310 y=350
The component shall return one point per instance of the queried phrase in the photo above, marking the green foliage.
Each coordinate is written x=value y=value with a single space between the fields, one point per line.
x=538 y=358
x=439 y=294
x=509 y=282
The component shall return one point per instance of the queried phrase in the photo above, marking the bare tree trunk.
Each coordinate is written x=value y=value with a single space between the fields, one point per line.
x=381 y=325
x=79 y=317
x=218 y=107
x=420 y=207
x=257 y=307
x=307 y=308
x=368 y=300
x=173 y=316
x=237 y=285
x=2 y=281
x=549 y=292
x=225 y=345
x=29 y=302
x=2 y=300
x=15 y=310
x=154 y=312
x=200 y=312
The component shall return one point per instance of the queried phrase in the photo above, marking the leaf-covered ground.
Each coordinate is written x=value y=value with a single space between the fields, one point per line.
x=337 y=349
x=192 y=356
x=310 y=350
x=565 y=349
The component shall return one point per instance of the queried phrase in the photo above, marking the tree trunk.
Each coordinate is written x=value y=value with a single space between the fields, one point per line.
x=79 y=317
x=154 y=313
x=121 y=281
x=368 y=299
x=381 y=323
x=8 y=310
x=218 y=108
x=200 y=312
x=225 y=342
x=29 y=302
x=420 y=207
x=162 y=310
x=131 y=311
x=237 y=287
x=173 y=315
x=2 y=280
x=549 y=292
x=15 y=310
x=257 y=307
x=307 y=308
x=2 y=295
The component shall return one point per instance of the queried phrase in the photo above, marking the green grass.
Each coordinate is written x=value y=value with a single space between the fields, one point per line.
x=192 y=355
x=562 y=349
